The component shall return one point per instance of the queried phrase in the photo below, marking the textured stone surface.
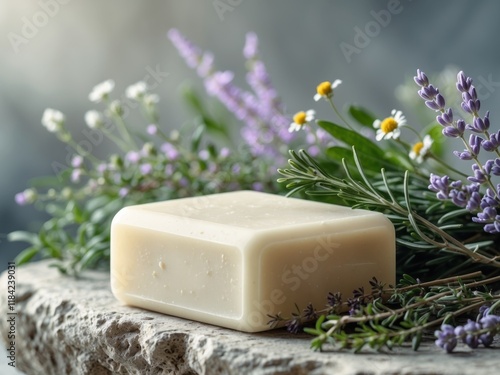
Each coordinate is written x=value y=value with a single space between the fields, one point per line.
x=69 y=326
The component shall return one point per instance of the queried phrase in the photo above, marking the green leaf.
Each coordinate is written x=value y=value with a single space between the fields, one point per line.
x=435 y=131
x=23 y=236
x=361 y=115
x=352 y=138
x=196 y=104
x=196 y=137
x=26 y=255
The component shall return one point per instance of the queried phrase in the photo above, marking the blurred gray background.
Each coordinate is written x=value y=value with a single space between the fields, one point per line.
x=54 y=51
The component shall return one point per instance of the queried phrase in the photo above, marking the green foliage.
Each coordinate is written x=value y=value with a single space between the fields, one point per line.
x=77 y=234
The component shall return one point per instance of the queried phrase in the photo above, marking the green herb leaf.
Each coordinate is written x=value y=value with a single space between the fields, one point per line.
x=361 y=115
x=352 y=138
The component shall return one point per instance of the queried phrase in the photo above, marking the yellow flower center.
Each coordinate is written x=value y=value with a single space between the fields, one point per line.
x=324 y=88
x=417 y=147
x=389 y=125
x=300 y=118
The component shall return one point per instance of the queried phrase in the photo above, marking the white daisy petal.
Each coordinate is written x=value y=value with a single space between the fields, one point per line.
x=317 y=97
x=336 y=83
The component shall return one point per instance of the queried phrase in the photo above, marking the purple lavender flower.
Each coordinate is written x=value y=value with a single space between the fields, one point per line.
x=428 y=92
x=421 y=79
x=492 y=323
x=486 y=216
x=77 y=161
x=224 y=152
x=206 y=65
x=152 y=129
x=258 y=186
x=146 y=168
x=478 y=176
x=266 y=125
x=459 y=198
x=170 y=151
x=191 y=53
x=472 y=333
x=474 y=202
x=475 y=144
x=101 y=168
x=76 y=174
x=133 y=157
x=463 y=83
x=485 y=205
x=204 y=155
x=25 y=197
x=20 y=199
x=490 y=199
x=470 y=337
x=452 y=132
x=123 y=192
x=446 y=338
x=493 y=166
x=445 y=118
x=492 y=143
x=169 y=170
x=440 y=185
x=250 y=50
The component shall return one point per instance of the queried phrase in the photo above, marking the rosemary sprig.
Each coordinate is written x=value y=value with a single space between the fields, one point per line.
x=306 y=175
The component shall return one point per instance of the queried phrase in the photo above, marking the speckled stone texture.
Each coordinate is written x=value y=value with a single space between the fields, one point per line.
x=75 y=326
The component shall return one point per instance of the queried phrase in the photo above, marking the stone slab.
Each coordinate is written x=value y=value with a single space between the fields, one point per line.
x=75 y=326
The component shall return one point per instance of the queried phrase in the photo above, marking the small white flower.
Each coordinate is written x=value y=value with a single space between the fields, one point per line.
x=390 y=126
x=101 y=91
x=300 y=119
x=53 y=120
x=151 y=99
x=325 y=89
x=93 y=119
x=421 y=149
x=137 y=90
x=116 y=108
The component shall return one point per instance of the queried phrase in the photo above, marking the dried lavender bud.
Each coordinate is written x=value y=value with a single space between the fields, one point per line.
x=310 y=312
x=334 y=299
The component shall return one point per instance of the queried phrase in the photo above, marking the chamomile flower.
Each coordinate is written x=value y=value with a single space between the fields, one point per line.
x=101 y=91
x=325 y=89
x=390 y=126
x=300 y=119
x=421 y=149
x=53 y=120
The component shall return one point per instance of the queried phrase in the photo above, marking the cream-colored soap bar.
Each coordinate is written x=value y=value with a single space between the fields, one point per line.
x=232 y=259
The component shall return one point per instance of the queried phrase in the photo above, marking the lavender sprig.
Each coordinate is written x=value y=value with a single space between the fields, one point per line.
x=480 y=195
x=482 y=331
x=265 y=128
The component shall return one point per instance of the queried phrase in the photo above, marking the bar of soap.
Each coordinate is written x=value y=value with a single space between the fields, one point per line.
x=232 y=259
